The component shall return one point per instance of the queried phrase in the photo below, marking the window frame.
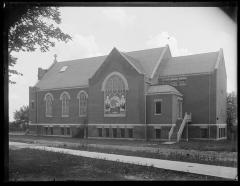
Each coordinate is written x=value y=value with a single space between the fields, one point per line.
x=79 y=103
x=130 y=129
x=108 y=79
x=100 y=132
x=155 y=106
x=62 y=131
x=48 y=97
x=122 y=131
x=65 y=98
x=68 y=131
x=113 y=132
x=156 y=134
x=180 y=105
x=205 y=129
x=107 y=134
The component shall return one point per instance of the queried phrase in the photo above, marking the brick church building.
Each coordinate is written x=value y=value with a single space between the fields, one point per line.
x=146 y=94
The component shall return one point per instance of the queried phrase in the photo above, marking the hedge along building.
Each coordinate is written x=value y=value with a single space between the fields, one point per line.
x=146 y=94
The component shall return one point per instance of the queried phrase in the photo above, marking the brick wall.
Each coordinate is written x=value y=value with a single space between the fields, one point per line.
x=166 y=116
x=199 y=91
x=57 y=107
x=135 y=104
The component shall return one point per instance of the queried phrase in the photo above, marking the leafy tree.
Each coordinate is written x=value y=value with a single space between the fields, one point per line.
x=231 y=108
x=21 y=115
x=31 y=27
x=232 y=117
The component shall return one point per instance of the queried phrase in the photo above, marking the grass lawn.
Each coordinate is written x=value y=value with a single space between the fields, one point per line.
x=37 y=165
x=159 y=151
x=219 y=146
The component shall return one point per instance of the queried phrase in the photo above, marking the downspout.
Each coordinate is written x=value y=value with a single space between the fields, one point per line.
x=145 y=102
x=209 y=106
x=36 y=110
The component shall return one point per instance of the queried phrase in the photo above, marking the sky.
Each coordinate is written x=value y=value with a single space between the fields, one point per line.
x=96 y=30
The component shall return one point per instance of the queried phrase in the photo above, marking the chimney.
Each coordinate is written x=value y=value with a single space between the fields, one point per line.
x=41 y=73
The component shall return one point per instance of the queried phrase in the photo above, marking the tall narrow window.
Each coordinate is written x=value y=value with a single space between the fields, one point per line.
x=65 y=98
x=49 y=102
x=158 y=107
x=179 y=108
x=115 y=90
x=82 y=97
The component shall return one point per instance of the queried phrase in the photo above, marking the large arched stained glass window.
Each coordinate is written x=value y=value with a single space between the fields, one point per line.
x=115 y=91
x=65 y=98
x=82 y=97
x=49 y=102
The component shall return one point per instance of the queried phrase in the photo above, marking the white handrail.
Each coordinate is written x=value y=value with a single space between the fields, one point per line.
x=186 y=117
x=170 y=132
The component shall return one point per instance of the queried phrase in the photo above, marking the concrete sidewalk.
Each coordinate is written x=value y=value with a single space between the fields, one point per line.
x=209 y=170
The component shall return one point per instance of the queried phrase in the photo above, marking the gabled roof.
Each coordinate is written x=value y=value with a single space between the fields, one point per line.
x=166 y=89
x=147 y=58
x=76 y=75
x=80 y=70
x=144 y=61
x=198 y=63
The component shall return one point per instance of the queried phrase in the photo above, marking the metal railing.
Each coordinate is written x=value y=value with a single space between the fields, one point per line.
x=170 y=132
x=187 y=118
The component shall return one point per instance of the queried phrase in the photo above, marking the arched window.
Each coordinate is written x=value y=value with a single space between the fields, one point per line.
x=65 y=98
x=115 y=88
x=49 y=101
x=82 y=98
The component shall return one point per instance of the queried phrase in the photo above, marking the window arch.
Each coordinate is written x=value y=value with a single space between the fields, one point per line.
x=115 y=88
x=82 y=98
x=48 y=98
x=65 y=98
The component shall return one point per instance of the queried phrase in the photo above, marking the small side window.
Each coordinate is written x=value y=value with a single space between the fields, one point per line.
x=107 y=132
x=100 y=132
x=51 y=130
x=68 y=131
x=122 y=133
x=204 y=132
x=62 y=130
x=130 y=133
x=114 y=132
x=158 y=107
x=158 y=133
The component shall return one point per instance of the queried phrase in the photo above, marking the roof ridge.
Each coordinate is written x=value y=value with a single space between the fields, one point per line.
x=74 y=60
x=145 y=49
x=196 y=54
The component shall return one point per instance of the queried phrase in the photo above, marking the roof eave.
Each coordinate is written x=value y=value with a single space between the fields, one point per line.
x=159 y=61
x=131 y=63
x=220 y=54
